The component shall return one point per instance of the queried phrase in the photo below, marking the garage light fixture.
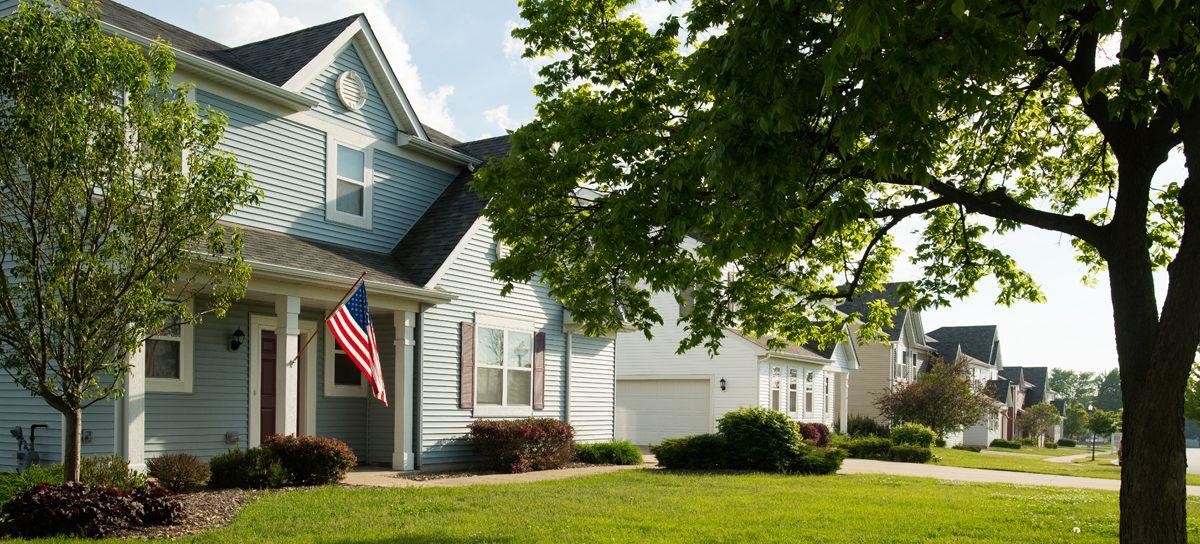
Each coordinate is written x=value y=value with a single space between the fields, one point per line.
x=722 y=384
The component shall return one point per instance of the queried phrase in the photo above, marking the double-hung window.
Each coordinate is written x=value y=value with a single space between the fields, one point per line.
x=342 y=377
x=828 y=403
x=809 y=378
x=793 y=389
x=503 y=367
x=348 y=189
x=897 y=363
x=168 y=359
x=776 y=386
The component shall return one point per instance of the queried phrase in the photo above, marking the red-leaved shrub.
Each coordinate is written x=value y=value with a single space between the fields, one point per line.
x=816 y=434
x=72 y=509
x=522 y=445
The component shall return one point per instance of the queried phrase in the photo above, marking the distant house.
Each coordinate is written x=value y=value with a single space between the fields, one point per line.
x=1036 y=380
x=352 y=182
x=979 y=346
x=898 y=358
x=663 y=394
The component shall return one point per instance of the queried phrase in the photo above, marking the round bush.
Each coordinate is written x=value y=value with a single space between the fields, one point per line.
x=312 y=460
x=1002 y=443
x=73 y=509
x=696 y=452
x=868 y=447
x=806 y=459
x=816 y=434
x=913 y=434
x=522 y=445
x=618 y=452
x=758 y=439
x=1066 y=442
x=909 y=454
x=179 y=472
x=255 y=468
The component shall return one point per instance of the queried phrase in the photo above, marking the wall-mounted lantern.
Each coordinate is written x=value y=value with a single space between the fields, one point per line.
x=722 y=384
x=236 y=340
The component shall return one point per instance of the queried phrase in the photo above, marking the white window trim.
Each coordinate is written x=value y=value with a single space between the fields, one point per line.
x=502 y=410
x=331 y=181
x=182 y=384
x=788 y=382
x=336 y=390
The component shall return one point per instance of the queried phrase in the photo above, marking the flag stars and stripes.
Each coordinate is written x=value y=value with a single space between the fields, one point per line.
x=351 y=327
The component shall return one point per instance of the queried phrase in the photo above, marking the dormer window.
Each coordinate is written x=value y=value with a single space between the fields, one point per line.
x=348 y=189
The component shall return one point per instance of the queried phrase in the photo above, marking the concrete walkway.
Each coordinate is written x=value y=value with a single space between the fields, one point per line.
x=1068 y=459
x=389 y=478
x=862 y=466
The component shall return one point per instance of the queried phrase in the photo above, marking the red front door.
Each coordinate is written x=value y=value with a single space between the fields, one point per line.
x=267 y=384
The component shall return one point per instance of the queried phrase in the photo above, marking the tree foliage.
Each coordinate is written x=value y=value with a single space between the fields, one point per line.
x=1073 y=386
x=1038 y=419
x=1103 y=422
x=1108 y=391
x=111 y=185
x=1075 y=422
x=791 y=139
x=1191 y=404
x=944 y=399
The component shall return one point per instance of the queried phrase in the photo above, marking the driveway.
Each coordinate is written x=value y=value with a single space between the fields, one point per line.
x=863 y=466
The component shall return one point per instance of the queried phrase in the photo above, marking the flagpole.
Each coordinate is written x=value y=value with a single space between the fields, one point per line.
x=327 y=314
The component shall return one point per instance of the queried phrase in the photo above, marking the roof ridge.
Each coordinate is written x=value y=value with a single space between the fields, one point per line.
x=102 y=4
x=294 y=32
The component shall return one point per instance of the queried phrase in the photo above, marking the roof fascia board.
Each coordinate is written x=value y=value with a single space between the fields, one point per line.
x=223 y=74
x=459 y=247
x=408 y=141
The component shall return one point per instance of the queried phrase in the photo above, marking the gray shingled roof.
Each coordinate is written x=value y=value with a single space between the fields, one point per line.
x=978 y=341
x=275 y=248
x=790 y=349
x=431 y=240
x=1038 y=376
x=999 y=389
x=274 y=60
x=889 y=293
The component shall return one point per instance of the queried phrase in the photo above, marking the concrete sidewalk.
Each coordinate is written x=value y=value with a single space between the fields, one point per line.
x=389 y=478
x=1068 y=459
x=862 y=466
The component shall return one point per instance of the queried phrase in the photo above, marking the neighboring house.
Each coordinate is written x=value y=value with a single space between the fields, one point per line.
x=884 y=363
x=1011 y=389
x=352 y=181
x=979 y=346
x=1039 y=391
x=664 y=394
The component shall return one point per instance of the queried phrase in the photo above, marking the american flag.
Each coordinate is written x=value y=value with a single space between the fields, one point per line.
x=352 y=329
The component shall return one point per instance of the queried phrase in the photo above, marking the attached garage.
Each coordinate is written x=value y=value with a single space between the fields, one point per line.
x=649 y=410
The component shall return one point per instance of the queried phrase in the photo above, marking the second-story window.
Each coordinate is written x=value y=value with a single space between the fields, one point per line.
x=348 y=189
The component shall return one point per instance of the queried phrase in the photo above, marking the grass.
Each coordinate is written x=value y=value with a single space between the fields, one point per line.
x=659 y=506
x=1047 y=452
x=960 y=458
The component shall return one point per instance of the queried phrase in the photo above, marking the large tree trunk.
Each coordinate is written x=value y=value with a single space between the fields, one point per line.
x=73 y=450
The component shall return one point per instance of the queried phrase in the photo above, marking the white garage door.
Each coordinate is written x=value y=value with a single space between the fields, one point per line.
x=651 y=410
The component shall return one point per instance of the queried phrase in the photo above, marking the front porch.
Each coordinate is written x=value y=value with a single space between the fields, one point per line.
x=286 y=376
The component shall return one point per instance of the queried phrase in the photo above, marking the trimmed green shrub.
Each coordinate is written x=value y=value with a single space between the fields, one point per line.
x=816 y=434
x=913 y=434
x=72 y=509
x=965 y=447
x=109 y=471
x=695 y=452
x=522 y=445
x=1028 y=442
x=940 y=442
x=617 y=452
x=809 y=460
x=909 y=454
x=1050 y=445
x=255 y=468
x=868 y=447
x=179 y=472
x=865 y=426
x=13 y=484
x=758 y=439
x=312 y=460
x=1002 y=443
x=1066 y=442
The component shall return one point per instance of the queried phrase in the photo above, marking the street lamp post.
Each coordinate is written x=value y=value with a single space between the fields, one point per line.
x=1090 y=409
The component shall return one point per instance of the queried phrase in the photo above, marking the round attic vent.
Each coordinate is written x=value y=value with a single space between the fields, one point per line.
x=351 y=91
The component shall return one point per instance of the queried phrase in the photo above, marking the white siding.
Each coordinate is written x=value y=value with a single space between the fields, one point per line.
x=591 y=387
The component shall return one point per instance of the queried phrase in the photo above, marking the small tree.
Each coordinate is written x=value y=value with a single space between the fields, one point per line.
x=1075 y=423
x=944 y=399
x=1108 y=391
x=111 y=185
x=1073 y=386
x=1102 y=423
x=1037 y=420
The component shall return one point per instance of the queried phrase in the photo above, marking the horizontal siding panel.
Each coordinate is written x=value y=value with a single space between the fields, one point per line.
x=592 y=373
x=373 y=118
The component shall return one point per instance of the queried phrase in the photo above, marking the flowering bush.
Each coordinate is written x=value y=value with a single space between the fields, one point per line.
x=312 y=460
x=816 y=434
x=522 y=445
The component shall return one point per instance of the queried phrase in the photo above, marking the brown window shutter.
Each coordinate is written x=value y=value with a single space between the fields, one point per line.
x=539 y=371
x=466 y=369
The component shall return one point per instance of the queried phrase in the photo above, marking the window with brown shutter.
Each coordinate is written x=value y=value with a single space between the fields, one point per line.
x=466 y=372
x=539 y=371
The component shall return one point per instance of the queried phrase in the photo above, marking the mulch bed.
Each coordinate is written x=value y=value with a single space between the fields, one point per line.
x=419 y=476
x=206 y=510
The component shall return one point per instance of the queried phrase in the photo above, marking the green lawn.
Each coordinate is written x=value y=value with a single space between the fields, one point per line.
x=659 y=506
x=1048 y=452
x=960 y=458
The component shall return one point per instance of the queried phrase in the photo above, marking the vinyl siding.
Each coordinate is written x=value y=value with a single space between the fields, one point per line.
x=99 y=420
x=591 y=388
x=373 y=118
x=6 y=5
x=737 y=361
x=287 y=160
x=443 y=423
x=343 y=418
x=872 y=377
x=20 y=409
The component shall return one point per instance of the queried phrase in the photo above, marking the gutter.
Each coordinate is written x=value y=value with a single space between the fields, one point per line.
x=425 y=147
x=223 y=74
x=421 y=294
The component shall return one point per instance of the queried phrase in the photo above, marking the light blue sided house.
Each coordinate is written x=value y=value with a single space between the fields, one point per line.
x=352 y=182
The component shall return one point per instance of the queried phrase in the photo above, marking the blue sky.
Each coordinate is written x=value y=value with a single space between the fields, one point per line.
x=463 y=74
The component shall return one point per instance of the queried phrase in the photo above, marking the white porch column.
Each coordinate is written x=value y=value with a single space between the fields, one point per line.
x=844 y=403
x=133 y=410
x=402 y=435
x=287 y=374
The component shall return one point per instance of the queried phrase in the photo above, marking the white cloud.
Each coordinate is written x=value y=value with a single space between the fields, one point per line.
x=499 y=116
x=242 y=22
x=654 y=13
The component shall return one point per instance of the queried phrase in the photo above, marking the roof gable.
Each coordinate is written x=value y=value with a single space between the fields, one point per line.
x=889 y=293
x=979 y=341
x=276 y=60
x=374 y=116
